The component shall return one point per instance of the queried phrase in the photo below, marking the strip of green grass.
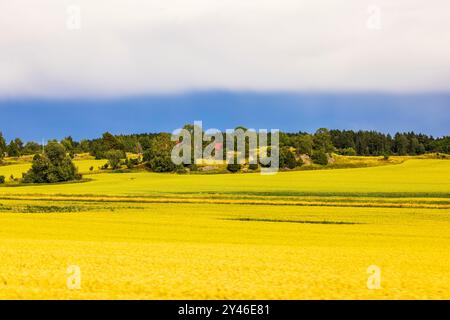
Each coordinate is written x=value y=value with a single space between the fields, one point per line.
x=293 y=221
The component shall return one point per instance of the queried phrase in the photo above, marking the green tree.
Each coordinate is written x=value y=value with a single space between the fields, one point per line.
x=68 y=143
x=285 y=140
x=343 y=139
x=160 y=146
x=110 y=141
x=19 y=144
x=99 y=147
x=420 y=149
x=322 y=141
x=31 y=148
x=401 y=144
x=114 y=157
x=287 y=158
x=320 y=157
x=415 y=146
x=348 y=152
x=161 y=164
x=84 y=146
x=303 y=144
x=15 y=147
x=2 y=146
x=55 y=152
x=52 y=166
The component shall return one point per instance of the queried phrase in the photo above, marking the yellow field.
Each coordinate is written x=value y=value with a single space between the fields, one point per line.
x=295 y=235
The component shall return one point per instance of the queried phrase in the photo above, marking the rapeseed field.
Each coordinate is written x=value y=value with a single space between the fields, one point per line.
x=295 y=235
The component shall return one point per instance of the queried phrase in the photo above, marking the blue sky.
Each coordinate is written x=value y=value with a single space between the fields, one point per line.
x=37 y=119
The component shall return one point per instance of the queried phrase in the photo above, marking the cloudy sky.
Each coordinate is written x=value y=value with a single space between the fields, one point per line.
x=111 y=49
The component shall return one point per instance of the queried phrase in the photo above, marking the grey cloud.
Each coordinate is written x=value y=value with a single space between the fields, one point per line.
x=143 y=47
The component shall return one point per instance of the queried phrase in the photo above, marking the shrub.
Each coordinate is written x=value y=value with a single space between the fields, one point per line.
x=91 y=168
x=233 y=167
x=98 y=155
x=2 y=179
x=253 y=166
x=193 y=167
x=130 y=163
x=320 y=157
x=180 y=169
x=161 y=164
x=348 y=152
x=300 y=162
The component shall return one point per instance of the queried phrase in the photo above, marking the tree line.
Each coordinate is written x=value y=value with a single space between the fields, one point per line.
x=154 y=149
x=345 y=142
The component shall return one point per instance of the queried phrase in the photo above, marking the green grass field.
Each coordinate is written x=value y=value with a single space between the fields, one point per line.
x=18 y=169
x=294 y=235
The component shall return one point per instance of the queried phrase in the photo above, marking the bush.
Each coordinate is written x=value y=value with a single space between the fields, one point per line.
x=98 y=155
x=300 y=162
x=253 y=166
x=2 y=179
x=91 y=168
x=161 y=164
x=320 y=157
x=348 y=152
x=180 y=169
x=233 y=167
x=131 y=163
